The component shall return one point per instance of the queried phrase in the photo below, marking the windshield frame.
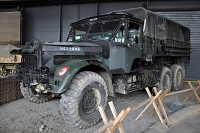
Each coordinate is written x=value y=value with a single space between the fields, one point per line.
x=86 y=36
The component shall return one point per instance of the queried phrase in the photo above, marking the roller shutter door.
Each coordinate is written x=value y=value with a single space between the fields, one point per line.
x=190 y=19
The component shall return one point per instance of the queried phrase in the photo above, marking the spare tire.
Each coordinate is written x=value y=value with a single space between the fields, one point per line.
x=165 y=79
x=177 y=77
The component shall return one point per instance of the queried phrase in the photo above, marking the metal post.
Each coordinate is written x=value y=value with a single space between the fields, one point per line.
x=60 y=24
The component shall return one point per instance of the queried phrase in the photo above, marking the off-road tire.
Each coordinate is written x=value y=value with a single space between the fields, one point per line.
x=74 y=100
x=165 y=79
x=33 y=96
x=177 y=77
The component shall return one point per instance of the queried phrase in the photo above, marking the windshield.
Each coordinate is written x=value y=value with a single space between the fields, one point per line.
x=98 y=30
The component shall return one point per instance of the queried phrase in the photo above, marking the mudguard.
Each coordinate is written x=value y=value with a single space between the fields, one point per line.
x=61 y=83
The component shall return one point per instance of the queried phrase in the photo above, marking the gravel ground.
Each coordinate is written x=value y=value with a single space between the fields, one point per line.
x=22 y=116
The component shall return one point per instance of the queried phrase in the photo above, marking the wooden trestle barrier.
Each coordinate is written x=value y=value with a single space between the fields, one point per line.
x=165 y=94
x=112 y=125
x=194 y=91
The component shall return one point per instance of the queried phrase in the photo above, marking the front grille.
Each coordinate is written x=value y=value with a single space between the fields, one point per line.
x=60 y=59
x=29 y=62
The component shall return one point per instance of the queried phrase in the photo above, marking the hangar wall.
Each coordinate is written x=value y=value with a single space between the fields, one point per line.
x=51 y=23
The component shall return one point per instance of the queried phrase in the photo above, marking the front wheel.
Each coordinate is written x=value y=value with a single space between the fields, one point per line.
x=32 y=95
x=79 y=103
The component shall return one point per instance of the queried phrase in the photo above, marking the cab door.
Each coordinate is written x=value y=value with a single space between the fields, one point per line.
x=133 y=43
x=118 y=51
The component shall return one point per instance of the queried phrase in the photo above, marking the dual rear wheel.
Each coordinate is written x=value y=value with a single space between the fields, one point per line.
x=171 y=79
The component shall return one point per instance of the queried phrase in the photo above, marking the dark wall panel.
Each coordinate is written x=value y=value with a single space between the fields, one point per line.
x=8 y=9
x=171 y=2
x=41 y=23
x=75 y=12
x=87 y=10
x=105 y=7
x=69 y=15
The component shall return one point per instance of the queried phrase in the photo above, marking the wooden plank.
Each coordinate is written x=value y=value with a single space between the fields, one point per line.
x=104 y=118
x=192 y=81
x=185 y=90
x=190 y=84
x=162 y=97
x=197 y=97
x=120 y=118
x=10 y=27
x=162 y=107
x=104 y=127
x=114 y=112
x=140 y=104
x=155 y=106
x=187 y=97
x=145 y=109
x=177 y=92
x=191 y=92
x=116 y=122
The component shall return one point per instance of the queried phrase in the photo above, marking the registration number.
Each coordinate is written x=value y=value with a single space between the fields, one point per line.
x=70 y=49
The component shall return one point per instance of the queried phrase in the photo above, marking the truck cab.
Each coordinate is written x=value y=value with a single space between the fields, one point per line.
x=121 y=32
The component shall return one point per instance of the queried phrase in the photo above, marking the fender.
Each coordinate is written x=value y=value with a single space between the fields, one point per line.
x=61 y=83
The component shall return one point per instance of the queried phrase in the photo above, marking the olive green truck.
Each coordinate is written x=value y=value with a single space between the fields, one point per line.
x=118 y=52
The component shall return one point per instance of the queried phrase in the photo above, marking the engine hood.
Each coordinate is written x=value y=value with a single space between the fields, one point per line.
x=60 y=52
x=67 y=48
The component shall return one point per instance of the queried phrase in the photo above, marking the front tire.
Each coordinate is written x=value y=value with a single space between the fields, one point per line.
x=177 y=77
x=165 y=79
x=32 y=95
x=79 y=103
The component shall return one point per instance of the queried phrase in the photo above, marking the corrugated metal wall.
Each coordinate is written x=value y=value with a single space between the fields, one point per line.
x=190 y=19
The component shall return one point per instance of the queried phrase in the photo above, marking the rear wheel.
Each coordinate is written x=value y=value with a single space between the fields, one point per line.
x=79 y=103
x=165 y=79
x=32 y=95
x=177 y=77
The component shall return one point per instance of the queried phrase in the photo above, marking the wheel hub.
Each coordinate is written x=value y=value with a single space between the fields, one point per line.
x=89 y=102
x=166 y=82
x=178 y=78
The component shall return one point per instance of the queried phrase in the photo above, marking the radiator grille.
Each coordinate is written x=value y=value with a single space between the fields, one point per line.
x=29 y=62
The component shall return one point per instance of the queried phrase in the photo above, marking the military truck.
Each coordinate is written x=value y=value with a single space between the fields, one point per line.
x=118 y=52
